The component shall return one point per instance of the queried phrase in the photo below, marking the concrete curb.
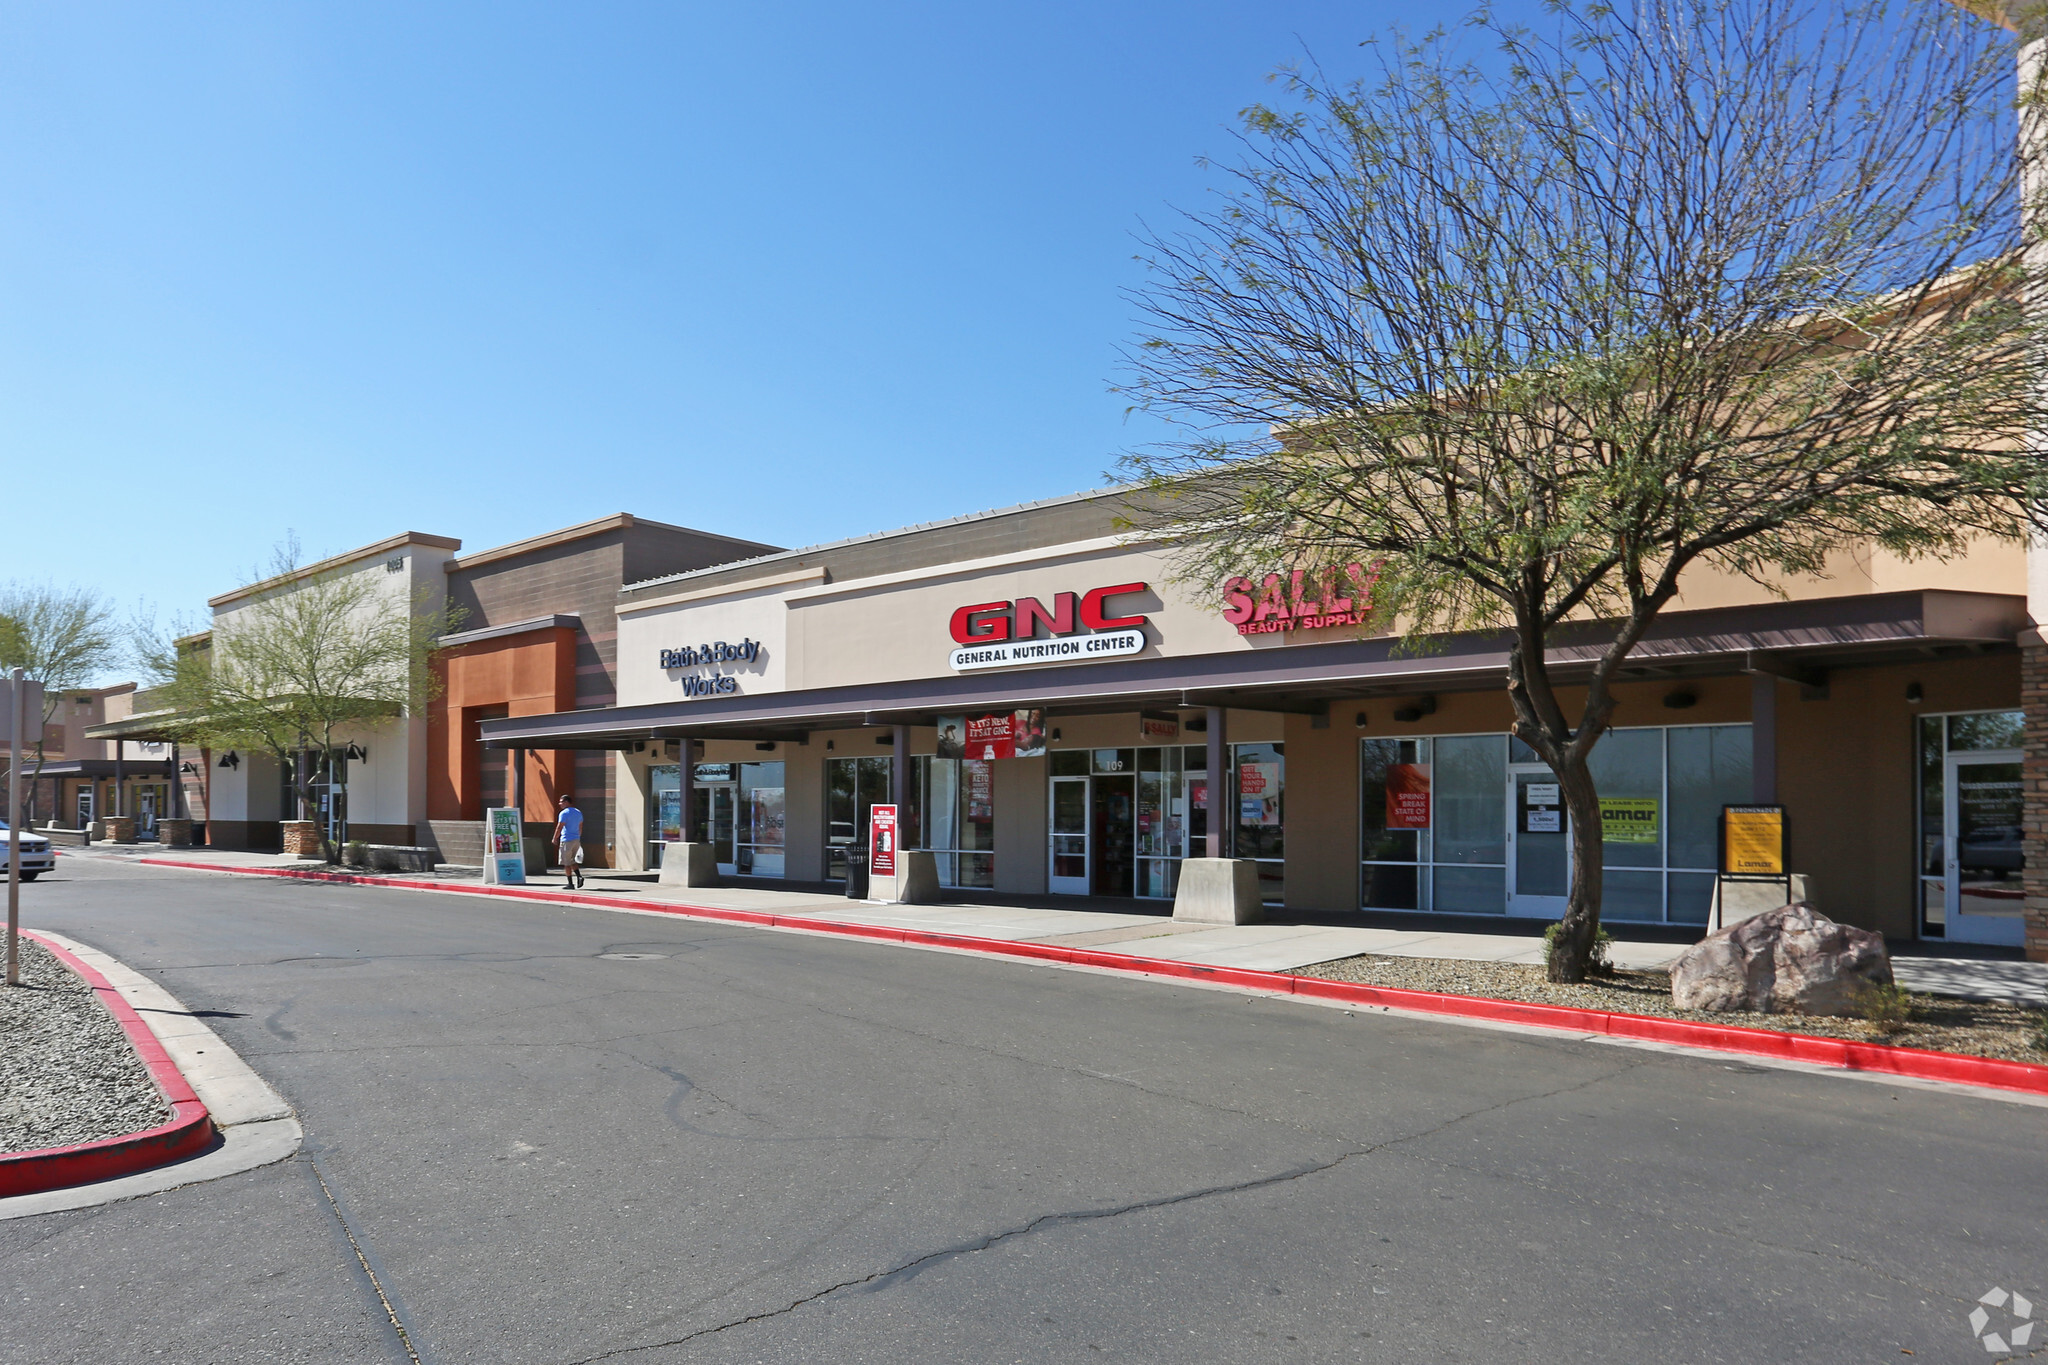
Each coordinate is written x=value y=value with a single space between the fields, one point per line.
x=1838 y=1054
x=188 y=1132
x=196 y=1070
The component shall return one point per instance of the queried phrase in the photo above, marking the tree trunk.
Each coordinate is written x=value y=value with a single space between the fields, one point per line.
x=302 y=781
x=1570 y=957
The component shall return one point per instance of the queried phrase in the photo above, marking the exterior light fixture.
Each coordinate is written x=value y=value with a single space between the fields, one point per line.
x=1915 y=693
x=1679 y=700
x=1420 y=707
x=1359 y=720
x=766 y=746
x=231 y=759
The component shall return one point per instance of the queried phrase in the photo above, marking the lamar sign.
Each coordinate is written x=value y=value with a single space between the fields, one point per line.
x=1004 y=634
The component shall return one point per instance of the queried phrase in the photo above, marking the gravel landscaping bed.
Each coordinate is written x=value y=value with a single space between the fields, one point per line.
x=1939 y=1023
x=67 y=1071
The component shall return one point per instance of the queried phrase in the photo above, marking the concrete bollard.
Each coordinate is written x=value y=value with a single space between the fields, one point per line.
x=1217 y=891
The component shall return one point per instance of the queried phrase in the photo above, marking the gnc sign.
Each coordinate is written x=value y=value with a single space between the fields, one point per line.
x=1306 y=599
x=1002 y=634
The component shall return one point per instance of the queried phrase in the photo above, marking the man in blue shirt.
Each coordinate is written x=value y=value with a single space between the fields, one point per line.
x=569 y=841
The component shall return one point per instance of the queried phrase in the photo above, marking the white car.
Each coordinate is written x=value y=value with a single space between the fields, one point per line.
x=36 y=857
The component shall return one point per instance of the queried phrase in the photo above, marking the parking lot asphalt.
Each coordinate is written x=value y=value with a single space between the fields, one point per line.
x=556 y=1134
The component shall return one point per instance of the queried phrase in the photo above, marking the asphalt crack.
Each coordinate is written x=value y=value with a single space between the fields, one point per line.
x=908 y=1270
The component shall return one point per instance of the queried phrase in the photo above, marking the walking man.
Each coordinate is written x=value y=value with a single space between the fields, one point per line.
x=568 y=841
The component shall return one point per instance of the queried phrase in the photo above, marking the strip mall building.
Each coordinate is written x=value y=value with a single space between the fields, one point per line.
x=1880 y=705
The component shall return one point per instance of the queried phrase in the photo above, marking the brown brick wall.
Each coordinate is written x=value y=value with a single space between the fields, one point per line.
x=580 y=577
x=2034 y=700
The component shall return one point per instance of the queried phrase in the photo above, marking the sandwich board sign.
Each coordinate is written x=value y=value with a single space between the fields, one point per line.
x=881 y=841
x=504 y=848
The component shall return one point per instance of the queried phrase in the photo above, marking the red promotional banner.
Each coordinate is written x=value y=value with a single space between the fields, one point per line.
x=1006 y=734
x=881 y=841
x=1408 y=796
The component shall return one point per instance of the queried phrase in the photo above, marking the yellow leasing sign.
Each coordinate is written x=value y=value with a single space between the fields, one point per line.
x=1753 y=840
x=1628 y=819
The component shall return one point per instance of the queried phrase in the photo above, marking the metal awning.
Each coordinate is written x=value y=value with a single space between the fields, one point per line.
x=1811 y=635
x=152 y=725
x=98 y=767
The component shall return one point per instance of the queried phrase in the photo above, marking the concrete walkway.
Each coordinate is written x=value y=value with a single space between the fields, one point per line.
x=1274 y=946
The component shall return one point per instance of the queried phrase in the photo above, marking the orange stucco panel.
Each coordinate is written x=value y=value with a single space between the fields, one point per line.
x=529 y=674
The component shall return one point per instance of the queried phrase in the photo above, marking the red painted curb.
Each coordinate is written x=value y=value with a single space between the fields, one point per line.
x=1841 y=1053
x=188 y=1133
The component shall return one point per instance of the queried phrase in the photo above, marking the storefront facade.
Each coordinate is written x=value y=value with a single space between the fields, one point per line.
x=1041 y=695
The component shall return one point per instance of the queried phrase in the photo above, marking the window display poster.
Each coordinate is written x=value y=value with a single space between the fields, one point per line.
x=881 y=841
x=1158 y=729
x=1542 y=808
x=1407 y=796
x=1005 y=734
x=1258 y=792
x=1628 y=819
x=1753 y=841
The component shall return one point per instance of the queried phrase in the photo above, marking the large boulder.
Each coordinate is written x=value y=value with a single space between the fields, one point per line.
x=1792 y=960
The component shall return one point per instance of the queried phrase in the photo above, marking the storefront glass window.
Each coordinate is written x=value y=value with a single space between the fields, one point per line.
x=1931 y=802
x=1259 y=797
x=1469 y=794
x=1661 y=793
x=1972 y=838
x=852 y=787
x=1628 y=770
x=664 y=810
x=762 y=827
x=955 y=801
x=1709 y=769
x=1987 y=730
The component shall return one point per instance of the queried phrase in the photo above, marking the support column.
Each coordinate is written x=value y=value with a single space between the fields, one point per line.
x=899 y=775
x=1763 y=739
x=518 y=759
x=685 y=771
x=120 y=787
x=1219 y=786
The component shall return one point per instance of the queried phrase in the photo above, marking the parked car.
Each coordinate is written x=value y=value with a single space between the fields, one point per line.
x=1992 y=848
x=36 y=857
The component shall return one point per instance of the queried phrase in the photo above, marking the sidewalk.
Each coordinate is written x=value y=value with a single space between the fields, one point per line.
x=1284 y=943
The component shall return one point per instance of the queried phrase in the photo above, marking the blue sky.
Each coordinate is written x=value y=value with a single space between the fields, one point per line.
x=787 y=272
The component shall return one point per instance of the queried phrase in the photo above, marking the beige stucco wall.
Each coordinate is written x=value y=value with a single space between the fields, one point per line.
x=816 y=633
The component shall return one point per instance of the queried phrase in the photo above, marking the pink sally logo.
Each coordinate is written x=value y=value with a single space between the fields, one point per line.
x=1305 y=599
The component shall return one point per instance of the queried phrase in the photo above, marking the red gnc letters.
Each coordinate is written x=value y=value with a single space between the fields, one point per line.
x=988 y=622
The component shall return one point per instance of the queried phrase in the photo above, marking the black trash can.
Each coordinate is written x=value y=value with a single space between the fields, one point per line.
x=856 y=874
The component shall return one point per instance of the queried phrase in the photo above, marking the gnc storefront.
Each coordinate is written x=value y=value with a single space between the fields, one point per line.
x=1051 y=710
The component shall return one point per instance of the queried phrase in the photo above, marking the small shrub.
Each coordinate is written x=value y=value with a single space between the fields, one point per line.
x=1888 y=1008
x=2039 y=1032
x=356 y=853
x=1600 y=961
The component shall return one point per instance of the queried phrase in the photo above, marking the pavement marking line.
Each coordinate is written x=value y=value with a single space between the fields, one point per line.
x=1565 y=1021
x=256 y=1126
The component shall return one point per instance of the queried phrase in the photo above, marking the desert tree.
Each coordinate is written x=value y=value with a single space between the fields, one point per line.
x=319 y=651
x=1719 y=285
x=65 y=638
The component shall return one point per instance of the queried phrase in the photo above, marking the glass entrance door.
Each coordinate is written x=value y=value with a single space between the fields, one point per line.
x=1984 y=896
x=1114 y=835
x=1069 y=872
x=1539 y=843
x=720 y=803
